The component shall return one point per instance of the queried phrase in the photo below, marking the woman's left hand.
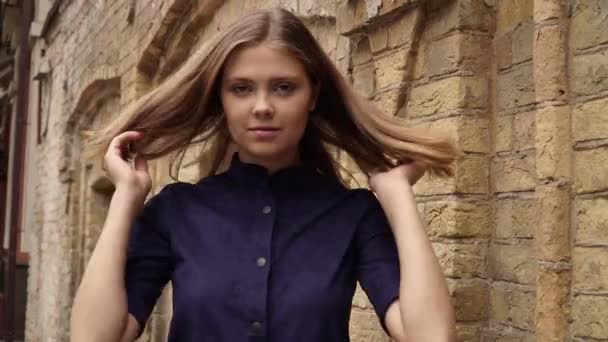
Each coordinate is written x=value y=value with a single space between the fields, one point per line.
x=406 y=174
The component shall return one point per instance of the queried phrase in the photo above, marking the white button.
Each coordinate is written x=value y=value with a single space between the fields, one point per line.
x=267 y=209
x=261 y=262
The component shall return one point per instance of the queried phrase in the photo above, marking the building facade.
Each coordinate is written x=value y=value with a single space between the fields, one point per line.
x=521 y=230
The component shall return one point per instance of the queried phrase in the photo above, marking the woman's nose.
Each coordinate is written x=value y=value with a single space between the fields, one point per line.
x=263 y=107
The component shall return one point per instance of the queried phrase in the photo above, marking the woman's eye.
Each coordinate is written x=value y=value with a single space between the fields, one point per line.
x=284 y=88
x=240 y=89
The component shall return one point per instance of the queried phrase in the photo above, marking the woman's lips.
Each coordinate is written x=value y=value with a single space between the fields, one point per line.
x=264 y=133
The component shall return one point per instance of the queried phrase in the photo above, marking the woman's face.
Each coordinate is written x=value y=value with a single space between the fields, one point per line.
x=266 y=96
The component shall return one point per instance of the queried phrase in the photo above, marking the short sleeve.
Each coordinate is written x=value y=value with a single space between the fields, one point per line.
x=377 y=259
x=150 y=260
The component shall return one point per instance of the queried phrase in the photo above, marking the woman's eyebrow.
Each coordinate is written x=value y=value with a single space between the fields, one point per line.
x=272 y=79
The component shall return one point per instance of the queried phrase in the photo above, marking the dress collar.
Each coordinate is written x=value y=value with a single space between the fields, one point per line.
x=296 y=176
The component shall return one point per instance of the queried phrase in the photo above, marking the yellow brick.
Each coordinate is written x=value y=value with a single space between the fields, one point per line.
x=514 y=263
x=504 y=133
x=515 y=88
x=592 y=220
x=457 y=219
x=470 y=299
x=391 y=69
x=550 y=64
x=590 y=271
x=514 y=219
x=401 y=31
x=553 y=147
x=588 y=25
x=514 y=173
x=590 y=170
x=510 y=13
x=589 y=314
x=461 y=260
x=590 y=121
x=514 y=308
x=448 y=95
x=552 y=234
x=552 y=305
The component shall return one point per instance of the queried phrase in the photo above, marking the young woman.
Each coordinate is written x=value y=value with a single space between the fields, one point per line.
x=272 y=248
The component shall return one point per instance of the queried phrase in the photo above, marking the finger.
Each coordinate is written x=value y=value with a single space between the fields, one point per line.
x=141 y=164
x=124 y=138
x=121 y=143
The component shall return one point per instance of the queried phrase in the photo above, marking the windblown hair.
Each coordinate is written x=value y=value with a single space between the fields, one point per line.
x=186 y=109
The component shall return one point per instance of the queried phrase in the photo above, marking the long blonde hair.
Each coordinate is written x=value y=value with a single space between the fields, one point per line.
x=185 y=109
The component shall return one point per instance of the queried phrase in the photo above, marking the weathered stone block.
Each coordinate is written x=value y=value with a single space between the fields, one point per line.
x=390 y=101
x=457 y=52
x=552 y=235
x=588 y=25
x=401 y=31
x=378 y=39
x=589 y=120
x=503 y=50
x=514 y=218
x=428 y=185
x=353 y=16
x=391 y=69
x=448 y=95
x=548 y=9
x=362 y=51
x=522 y=40
x=473 y=15
x=515 y=88
x=504 y=133
x=590 y=170
x=493 y=335
x=511 y=13
x=310 y=8
x=589 y=313
x=461 y=260
x=514 y=263
x=553 y=147
x=363 y=77
x=524 y=128
x=592 y=220
x=552 y=305
x=514 y=172
x=472 y=174
x=589 y=74
x=470 y=299
x=550 y=68
x=513 y=308
x=468 y=333
x=457 y=219
x=590 y=269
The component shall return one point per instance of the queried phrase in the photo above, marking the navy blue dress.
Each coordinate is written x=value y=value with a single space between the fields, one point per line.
x=258 y=257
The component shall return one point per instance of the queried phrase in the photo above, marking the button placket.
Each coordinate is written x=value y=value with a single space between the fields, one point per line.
x=261 y=259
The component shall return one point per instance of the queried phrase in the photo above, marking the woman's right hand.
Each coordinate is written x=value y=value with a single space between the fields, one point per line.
x=124 y=174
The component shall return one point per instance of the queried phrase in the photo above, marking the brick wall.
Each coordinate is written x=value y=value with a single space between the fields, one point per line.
x=522 y=85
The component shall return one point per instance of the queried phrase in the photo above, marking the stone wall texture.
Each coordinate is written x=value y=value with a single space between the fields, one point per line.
x=521 y=230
